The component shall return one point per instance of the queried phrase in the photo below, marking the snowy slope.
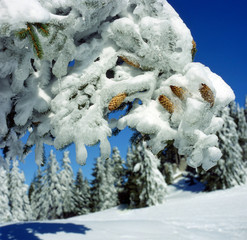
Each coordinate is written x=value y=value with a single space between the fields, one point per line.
x=187 y=214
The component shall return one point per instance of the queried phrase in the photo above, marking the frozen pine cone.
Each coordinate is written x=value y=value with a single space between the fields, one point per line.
x=130 y=62
x=193 y=50
x=207 y=94
x=166 y=103
x=178 y=91
x=116 y=101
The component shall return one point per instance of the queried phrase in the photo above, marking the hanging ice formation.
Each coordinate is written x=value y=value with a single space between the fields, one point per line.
x=179 y=98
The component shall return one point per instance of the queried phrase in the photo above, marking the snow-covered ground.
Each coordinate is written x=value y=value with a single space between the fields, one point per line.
x=186 y=214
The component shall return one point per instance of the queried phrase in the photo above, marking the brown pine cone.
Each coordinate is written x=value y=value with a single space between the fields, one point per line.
x=166 y=103
x=130 y=62
x=116 y=101
x=178 y=91
x=193 y=50
x=207 y=94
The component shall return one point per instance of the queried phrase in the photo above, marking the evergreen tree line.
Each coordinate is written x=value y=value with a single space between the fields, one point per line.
x=14 y=202
x=54 y=193
x=138 y=181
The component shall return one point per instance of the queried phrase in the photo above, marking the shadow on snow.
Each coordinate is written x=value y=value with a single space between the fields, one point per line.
x=27 y=231
x=189 y=184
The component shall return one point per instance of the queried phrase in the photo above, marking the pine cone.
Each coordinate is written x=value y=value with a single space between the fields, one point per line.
x=166 y=103
x=193 y=50
x=116 y=101
x=130 y=62
x=36 y=123
x=207 y=94
x=178 y=91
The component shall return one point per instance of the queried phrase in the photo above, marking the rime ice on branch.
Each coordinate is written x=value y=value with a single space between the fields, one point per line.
x=126 y=52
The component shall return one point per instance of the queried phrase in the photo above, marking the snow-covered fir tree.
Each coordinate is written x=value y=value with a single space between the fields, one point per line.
x=35 y=197
x=82 y=195
x=52 y=204
x=30 y=190
x=18 y=199
x=131 y=188
x=233 y=110
x=111 y=197
x=245 y=107
x=168 y=172
x=242 y=132
x=67 y=185
x=239 y=116
x=146 y=184
x=99 y=185
x=169 y=162
x=119 y=171
x=230 y=169
x=143 y=44
x=104 y=194
x=5 y=214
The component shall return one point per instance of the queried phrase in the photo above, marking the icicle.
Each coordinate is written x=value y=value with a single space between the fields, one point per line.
x=81 y=153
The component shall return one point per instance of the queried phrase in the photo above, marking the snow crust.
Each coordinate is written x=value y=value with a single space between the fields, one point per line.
x=63 y=105
x=187 y=214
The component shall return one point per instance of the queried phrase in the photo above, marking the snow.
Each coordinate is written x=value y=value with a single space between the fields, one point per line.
x=187 y=214
x=65 y=105
x=16 y=12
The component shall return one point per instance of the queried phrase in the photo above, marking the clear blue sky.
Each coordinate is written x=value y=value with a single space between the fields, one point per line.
x=219 y=28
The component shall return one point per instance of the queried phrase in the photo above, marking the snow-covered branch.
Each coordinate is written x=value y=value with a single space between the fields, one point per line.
x=139 y=49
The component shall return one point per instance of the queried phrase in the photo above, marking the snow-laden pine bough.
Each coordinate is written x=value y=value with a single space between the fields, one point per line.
x=133 y=52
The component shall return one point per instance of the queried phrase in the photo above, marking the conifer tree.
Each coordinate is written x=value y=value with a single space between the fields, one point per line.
x=19 y=202
x=133 y=184
x=242 y=132
x=51 y=207
x=30 y=190
x=5 y=214
x=81 y=195
x=168 y=172
x=87 y=196
x=130 y=187
x=111 y=197
x=35 y=197
x=104 y=194
x=245 y=108
x=233 y=110
x=118 y=171
x=169 y=162
x=230 y=170
x=146 y=184
x=99 y=188
x=67 y=184
x=240 y=118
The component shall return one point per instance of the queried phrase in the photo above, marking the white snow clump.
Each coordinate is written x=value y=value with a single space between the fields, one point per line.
x=137 y=47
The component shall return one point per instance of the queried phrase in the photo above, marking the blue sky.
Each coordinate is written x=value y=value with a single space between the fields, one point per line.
x=219 y=29
x=121 y=141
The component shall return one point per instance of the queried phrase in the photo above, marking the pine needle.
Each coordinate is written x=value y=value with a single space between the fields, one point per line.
x=35 y=40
